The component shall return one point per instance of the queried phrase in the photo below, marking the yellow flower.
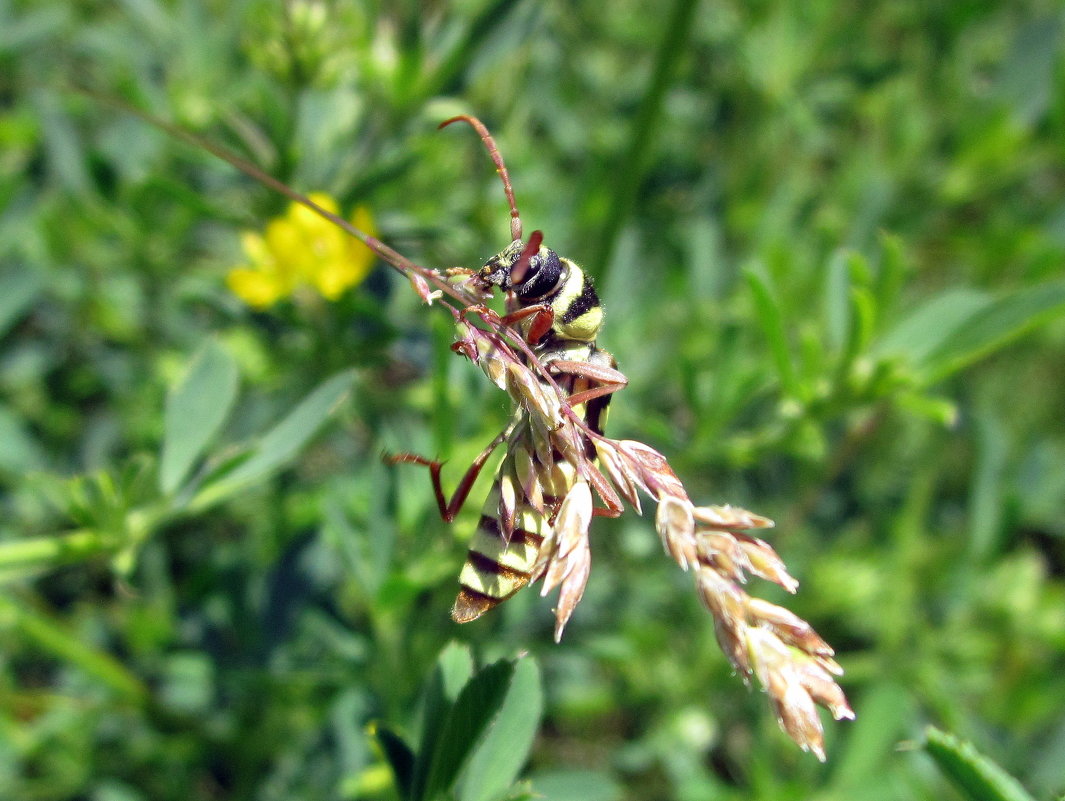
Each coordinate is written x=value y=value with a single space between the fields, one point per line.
x=301 y=248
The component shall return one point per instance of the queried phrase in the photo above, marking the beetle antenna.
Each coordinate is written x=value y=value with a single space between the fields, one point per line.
x=501 y=168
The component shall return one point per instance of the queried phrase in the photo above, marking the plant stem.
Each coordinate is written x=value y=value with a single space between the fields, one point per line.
x=67 y=646
x=49 y=552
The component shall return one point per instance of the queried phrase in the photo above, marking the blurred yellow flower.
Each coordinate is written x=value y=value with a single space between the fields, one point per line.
x=300 y=248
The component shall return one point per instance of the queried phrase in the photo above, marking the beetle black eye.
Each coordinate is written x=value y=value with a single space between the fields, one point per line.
x=542 y=277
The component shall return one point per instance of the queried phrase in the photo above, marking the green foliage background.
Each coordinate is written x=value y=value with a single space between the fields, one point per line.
x=829 y=237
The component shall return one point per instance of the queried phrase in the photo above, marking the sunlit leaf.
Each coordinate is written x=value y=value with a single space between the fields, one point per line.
x=18 y=289
x=400 y=758
x=504 y=749
x=578 y=785
x=195 y=411
x=972 y=773
x=470 y=715
x=924 y=329
x=282 y=442
x=995 y=324
x=1026 y=81
x=20 y=451
x=453 y=670
x=770 y=318
x=837 y=301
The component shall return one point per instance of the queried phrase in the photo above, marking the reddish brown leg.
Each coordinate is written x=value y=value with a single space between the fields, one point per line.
x=543 y=318
x=449 y=509
x=609 y=379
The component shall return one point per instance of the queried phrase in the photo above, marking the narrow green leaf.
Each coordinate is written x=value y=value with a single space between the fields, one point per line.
x=837 y=301
x=940 y=411
x=987 y=502
x=972 y=773
x=195 y=411
x=924 y=330
x=578 y=785
x=504 y=749
x=24 y=558
x=892 y=272
x=997 y=323
x=1026 y=81
x=454 y=668
x=62 y=144
x=58 y=640
x=18 y=289
x=473 y=711
x=282 y=442
x=865 y=314
x=772 y=323
x=400 y=758
x=20 y=452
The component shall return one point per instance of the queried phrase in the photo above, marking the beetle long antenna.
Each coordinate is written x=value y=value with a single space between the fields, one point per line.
x=395 y=259
x=501 y=168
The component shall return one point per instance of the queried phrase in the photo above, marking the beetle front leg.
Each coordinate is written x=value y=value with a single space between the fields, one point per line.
x=543 y=317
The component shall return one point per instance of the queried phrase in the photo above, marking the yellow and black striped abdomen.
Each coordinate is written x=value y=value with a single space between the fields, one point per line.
x=495 y=569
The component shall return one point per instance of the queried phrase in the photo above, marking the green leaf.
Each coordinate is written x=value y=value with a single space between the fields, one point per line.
x=18 y=289
x=282 y=442
x=446 y=78
x=27 y=557
x=995 y=324
x=195 y=410
x=941 y=411
x=59 y=641
x=503 y=751
x=861 y=312
x=863 y=324
x=837 y=301
x=987 y=502
x=61 y=142
x=919 y=334
x=973 y=774
x=961 y=326
x=1026 y=81
x=578 y=785
x=454 y=667
x=892 y=273
x=469 y=717
x=400 y=758
x=20 y=452
x=772 y=323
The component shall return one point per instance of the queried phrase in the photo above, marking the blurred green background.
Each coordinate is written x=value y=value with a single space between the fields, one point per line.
x=829 y=238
